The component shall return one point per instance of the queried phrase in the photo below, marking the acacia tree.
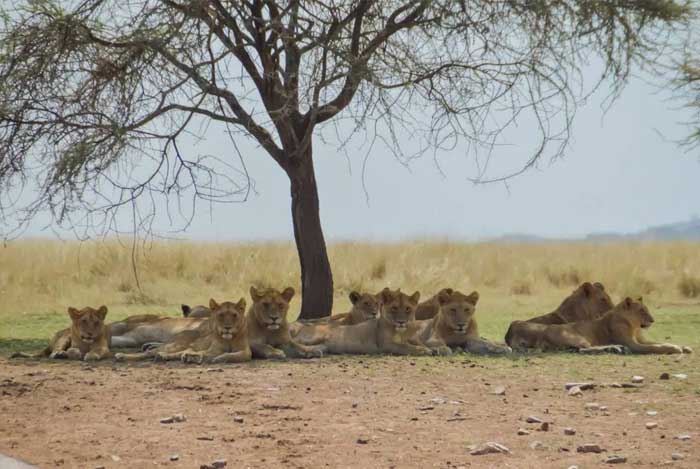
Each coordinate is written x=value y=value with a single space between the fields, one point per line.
x=688 y=87
x=91 y=89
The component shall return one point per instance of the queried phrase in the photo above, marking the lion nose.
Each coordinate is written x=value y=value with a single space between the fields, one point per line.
x=461 y=325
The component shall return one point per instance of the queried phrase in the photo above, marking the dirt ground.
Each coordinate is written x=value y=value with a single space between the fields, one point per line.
x=349 y=412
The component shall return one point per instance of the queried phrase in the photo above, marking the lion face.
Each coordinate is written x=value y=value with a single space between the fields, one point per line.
x=227 y=318
x=457 y=309
x=637 y=311
x=88 y=322
x=366 y=304
x=398 y=308
x=270 y=307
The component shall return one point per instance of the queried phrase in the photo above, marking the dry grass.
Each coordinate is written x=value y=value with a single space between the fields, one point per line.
x=43 y=276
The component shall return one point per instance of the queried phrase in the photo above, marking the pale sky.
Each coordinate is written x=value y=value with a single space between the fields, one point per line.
x=620 y=173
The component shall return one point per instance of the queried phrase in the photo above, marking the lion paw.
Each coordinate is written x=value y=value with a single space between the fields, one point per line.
x=277 y=355
x=91 y=357
x=119 y=357
x=196 y=358
x=687 y=349
x=443 y=351
x=74 y=354
x=59 y=354
x=313 y=353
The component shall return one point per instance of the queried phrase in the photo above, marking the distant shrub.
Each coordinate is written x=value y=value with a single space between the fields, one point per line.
x=689 y=286
x=564 y=278
x=379 y=270
x=521 y=288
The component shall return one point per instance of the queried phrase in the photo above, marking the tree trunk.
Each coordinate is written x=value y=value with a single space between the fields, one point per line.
x=316 y=276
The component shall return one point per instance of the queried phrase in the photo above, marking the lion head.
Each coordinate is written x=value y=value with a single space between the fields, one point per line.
x=270 y=307
x=398 y=308
x=457 y=309
x=588 y=301
x=364 y=305
x=635 y=312
x=523 y=335
x=88 y=322
x=227 y=318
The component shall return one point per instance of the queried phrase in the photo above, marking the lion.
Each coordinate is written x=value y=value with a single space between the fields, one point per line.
x=588 y=301
x=620 y=327
x=429 y=308
x=150 y=329
x=88 y=338
x=199 y=311
x=365 y=306
x=268 y=329
x=394 y=332
x=454 y=326
x=222 y=339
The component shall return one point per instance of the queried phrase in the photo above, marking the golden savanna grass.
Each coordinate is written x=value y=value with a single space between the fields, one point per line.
x=40 y=278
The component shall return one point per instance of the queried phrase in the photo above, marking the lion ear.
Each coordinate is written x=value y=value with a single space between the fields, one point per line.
x=354 y=296
x=599 y=286
x=102 y=312
x=444 y=296
x=254 y=294
x=288 y=293
x=640 y=299
x=241 y=304
x=213 y=305
x=449 y=291
x=473 y=297
x=74 y=313
x=587 y=288
x=385 y=295
x=628 y=302
x=415 y=297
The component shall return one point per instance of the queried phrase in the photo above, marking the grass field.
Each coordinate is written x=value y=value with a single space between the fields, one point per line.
x=39 y=278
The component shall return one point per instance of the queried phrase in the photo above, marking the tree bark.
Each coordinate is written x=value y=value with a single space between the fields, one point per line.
x=316 y=276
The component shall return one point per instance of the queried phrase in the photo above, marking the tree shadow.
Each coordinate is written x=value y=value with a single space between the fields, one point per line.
x=8 y=346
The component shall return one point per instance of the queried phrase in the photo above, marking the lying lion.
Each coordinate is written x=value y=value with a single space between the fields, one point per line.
x=455 y=326
x=87 y=338
x=619 y=327
x=365 y=306
x=268 y=329
x=394 y=332
x=588 y=301
x=143 y=329
x=429 y=308
x=222 y=339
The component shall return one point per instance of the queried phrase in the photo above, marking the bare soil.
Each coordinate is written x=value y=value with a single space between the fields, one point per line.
x=348 y=412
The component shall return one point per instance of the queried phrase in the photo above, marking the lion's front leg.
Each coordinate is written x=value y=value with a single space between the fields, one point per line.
x=480 y=346
x=267 y=351
x=407 y=349
x=297 y=350
x=233 y=357
x=438 y=346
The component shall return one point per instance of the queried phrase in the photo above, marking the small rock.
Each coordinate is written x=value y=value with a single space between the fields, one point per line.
x=175 y=457
x=116 y=458
x=569 y=431
x=637 y=379
x=615 y=460
x=523 y=432
x=489 y=448
x=533 y=419
x=677 y=456
x=544 y=427
x=581 y=386
x=591 y=406
x=100 y=467
x=174 y=419
x=575 y=391
x=215 y=370
x=680 y=376
x=238 y=419
x=219 y=463
x=589 y=448
x=537 y=445
x=651 y=425
x=499 y=391
x=682 y=437
x=651 y=413
x=603 y=408
x=362 y=441
x=572 y=467
x=665 y=376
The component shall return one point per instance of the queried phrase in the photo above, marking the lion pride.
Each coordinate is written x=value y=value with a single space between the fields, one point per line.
x=620 y=327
